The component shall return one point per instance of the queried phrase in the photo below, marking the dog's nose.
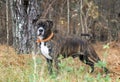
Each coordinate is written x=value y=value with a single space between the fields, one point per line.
x=40 y=30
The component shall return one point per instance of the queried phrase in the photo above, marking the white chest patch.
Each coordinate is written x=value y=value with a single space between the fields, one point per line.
x=45 y=50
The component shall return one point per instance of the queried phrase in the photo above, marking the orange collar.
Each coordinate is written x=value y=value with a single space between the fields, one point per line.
x=45 y=40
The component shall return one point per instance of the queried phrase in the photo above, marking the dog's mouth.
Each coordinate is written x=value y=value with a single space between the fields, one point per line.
x=40 y=31
x=40 y=34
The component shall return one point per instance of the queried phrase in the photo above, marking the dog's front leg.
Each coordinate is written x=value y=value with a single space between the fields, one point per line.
x=49 y=62
x=56 y=65
x=56 y=61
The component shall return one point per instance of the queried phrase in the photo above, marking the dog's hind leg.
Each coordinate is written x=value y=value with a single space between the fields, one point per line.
x=105 y=70
x=85 y=60
x=49 y=62
x=96 y=58
x=56 y=65
x=93 y=55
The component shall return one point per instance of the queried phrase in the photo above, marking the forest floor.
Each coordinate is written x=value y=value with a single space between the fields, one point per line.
x=22 y=68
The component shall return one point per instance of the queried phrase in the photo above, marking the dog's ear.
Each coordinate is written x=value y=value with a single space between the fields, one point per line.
x=49 y=23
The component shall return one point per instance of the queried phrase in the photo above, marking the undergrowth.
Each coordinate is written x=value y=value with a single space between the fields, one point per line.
x=34 y=69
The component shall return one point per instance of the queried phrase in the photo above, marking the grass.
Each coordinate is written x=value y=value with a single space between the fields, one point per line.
x=32 y=68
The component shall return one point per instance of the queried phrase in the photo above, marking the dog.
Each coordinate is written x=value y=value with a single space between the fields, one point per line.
x=52 y=45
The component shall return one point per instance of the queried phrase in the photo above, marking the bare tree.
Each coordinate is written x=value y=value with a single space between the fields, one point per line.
x=68 y=15
x=13 y=17
x=7 y=27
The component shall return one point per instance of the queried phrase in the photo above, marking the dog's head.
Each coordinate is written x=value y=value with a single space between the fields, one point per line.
x=44 y=28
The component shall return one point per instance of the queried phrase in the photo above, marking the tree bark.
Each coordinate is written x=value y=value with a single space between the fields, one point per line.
x=25 y=11
x=68 y=16
x=7 y=22
x=13 y=22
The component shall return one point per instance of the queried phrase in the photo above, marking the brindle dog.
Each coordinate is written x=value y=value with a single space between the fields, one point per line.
x=53 y=45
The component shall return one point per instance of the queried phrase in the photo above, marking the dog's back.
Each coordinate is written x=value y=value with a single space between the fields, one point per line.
x=74 y=46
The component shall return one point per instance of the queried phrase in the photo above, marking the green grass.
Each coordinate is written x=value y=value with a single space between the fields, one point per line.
x=25 y=68
x=68 y=73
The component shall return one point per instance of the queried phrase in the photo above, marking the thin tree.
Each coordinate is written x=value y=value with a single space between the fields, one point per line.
x=13 y=22
x=7 y=22
x=68 y=16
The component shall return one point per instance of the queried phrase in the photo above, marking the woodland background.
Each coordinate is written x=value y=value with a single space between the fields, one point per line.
x=98 y=19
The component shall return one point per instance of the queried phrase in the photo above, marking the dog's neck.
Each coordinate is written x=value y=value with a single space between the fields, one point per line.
x=47 y=35
x=45 y=39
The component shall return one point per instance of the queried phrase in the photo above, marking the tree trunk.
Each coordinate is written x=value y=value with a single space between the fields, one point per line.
x=24 y=36
x=68 y=16
x=13 y=17
x=7 y=22
x=32 y=13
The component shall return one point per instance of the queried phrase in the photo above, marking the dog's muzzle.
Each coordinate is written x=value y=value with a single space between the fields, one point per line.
x=40 y=31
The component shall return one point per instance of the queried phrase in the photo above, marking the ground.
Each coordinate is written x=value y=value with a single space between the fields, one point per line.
x=21 y=68
x=112 y=58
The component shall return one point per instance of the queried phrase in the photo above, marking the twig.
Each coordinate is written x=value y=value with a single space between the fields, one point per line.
x=45 y=12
